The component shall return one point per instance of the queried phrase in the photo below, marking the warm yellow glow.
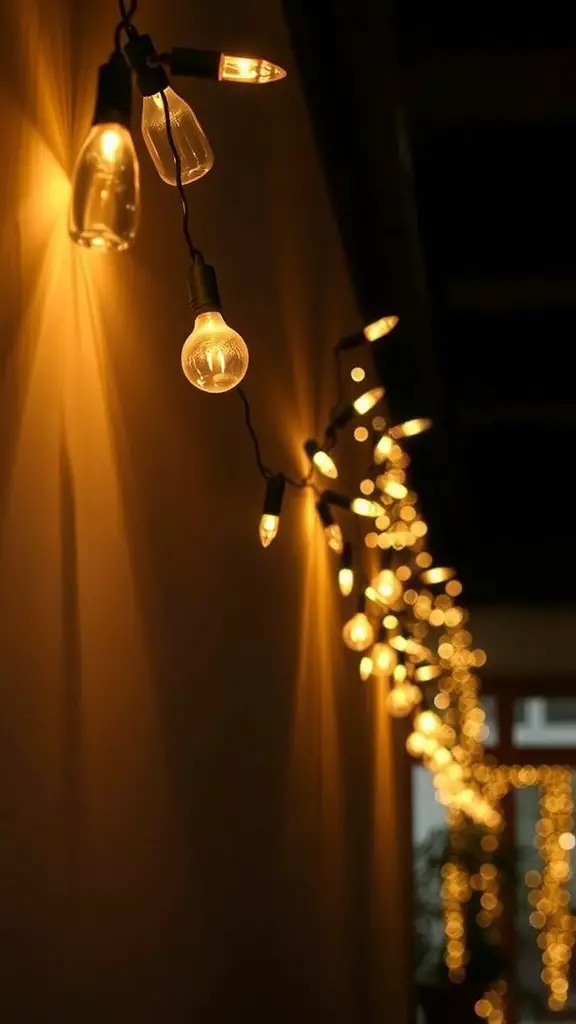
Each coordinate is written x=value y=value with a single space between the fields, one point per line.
x=368 y=400
x=367 y=487
x=365 y=668
x=346 y=581
x=364 y=507
x=357 y=374
x=268 y=529
x=248 y=70
x=424 y=559
x=390 y=621
x=437 y=575
x=379 y=423
x=360 y=434
x=453 y=588
x=358 y=632
x=325 y=463
x=383 y=449
x=416 y=744
x=195 y=153
x=105 y=203
x=371 y=540
x=402 y=699
x=334 y=538
x=566 y=841
x=384 y=659
x=410 y=428
x=393 y=488
x=427 y=723
x=427 y=672
x=380 y=328
x=387 y=586
x=214 y=356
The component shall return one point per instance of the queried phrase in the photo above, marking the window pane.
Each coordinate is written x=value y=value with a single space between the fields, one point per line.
x=545 y=722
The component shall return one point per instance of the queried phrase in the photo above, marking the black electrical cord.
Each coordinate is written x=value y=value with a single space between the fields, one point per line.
x=263 y=469
x=192 y=249
x=127 y=13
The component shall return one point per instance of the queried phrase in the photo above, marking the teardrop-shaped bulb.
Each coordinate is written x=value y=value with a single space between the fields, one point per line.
x=214 y=356
x=248 y=69
x=195 y=153
x=105 y=204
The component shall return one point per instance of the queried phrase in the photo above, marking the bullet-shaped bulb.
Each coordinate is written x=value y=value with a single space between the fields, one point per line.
x=270 y=519
x=193 y=147
x=105 y=204
x=368 y=400
x=251 y=70
x=387 y=586
x=380 y=328
x=358 y=632
x=346 y=581
x=364 y=507
x=214 y=356
x=384 y=659
x=268 y=529
x=383 y=449
x=321 y=459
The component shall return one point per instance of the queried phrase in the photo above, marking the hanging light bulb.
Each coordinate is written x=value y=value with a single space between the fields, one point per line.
x=105 y=202
x=331 y=527
x=321 y=459
x=366 y=667
x=223 y=67
x=358 y=632
x=214 y=356
x=410 y=428
x=383 y=449
x=427 y=723
x=386 y=588
x=346 y=572
x=193 y=148
x=402 y=699
x=360 y=406
x=365 y=507
x=372 y=332
x=270 y=519
x=248 y=69
x=384 y=659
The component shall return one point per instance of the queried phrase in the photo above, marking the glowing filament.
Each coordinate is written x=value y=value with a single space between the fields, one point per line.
x=251 y=70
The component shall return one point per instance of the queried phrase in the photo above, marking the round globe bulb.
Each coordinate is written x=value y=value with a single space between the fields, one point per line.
x=388 y=586
x=214 y=357
x=427 y=723
x=358 y=633
x=384 y=659
x=400 y=701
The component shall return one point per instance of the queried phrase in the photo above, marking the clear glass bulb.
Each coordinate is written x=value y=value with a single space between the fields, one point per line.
x=387 y=586
x=214 y=357
x=325 y=463
x=358 y=632
x=384 y=659
x=105 y=204
x=248 y=69
x=193 y=146
x=400 y=701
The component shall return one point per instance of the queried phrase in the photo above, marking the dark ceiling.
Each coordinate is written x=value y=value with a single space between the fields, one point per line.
x=448 y=136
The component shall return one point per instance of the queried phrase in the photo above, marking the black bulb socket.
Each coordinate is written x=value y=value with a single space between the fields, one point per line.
x=184 y=60
x=143 y=59
x=203 y=287
x=324 y=513
x=346 y=556
x=274 y=495
x=114 y=92
x=333 y=498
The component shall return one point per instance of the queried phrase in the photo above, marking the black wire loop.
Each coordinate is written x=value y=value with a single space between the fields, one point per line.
x=127 y=13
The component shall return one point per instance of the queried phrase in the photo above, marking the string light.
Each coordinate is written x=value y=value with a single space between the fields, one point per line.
x=105 y=202
x=321 y=459
x=270 y=519
x=346 y=572
x=358 y=632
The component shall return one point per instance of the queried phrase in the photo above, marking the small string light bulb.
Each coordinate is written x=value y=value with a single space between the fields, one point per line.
x=358 y=632
x=105 y=201
x=214 y=356
x=331 y=527
x=384 y=659
x=371 y=332
x=193 y=148
x=346 y=572
x=387 y=586
x=321 y=459
x=251 y=70
x=383 y=449
x=364 y=403
x=270 y=519
x=410 y=428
